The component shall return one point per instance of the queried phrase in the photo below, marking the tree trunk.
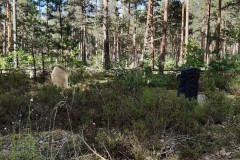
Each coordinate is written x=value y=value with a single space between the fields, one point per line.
x=128 y=31
x=203 y=38
x=134 y=56
x=187 y=23
x=4 y=33
x=1 y=19
x=151 y=33
x=14 y=35
x=208 y=32
x=61 y=30
x=145 y=36
x=8 y=7
x=115 y=49
x=34 y=61
x=105 y=35
x=182 y=35
x=83 y=33
x=164 y=35
x=218 y=30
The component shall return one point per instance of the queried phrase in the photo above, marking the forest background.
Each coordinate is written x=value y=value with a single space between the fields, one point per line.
x=122 y=57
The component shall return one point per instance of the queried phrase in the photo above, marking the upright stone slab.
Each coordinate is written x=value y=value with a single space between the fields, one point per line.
x=189 y=82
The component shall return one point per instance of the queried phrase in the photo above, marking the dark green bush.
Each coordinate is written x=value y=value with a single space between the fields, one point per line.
x=131 y=79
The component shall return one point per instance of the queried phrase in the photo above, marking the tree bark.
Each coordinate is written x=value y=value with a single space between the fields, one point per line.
x=115 y=49
x=128 y=30
x=145 y=36
x=151 y=33
x=182 y=35
x=134 y=54
x=61 y=29
x=1 y=19
x=105 y=35
x=83 y=33
x=186 y=25
x=14 y=35
x=4 y=31
x=208 y=32
x=218 y=50
x=164 y=35
x=8 y=12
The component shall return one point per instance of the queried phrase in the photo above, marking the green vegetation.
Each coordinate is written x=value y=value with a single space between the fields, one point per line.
x=129 y=115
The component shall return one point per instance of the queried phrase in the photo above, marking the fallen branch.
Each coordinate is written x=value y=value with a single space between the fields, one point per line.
x=94 y=152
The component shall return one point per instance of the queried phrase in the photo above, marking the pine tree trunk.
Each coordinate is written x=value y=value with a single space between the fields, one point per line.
x=34 y=62
x=9 y=26
x=134 y=56
x=128 y=31
x=218 y=30
x=187 y=23
x=182 y=35
x=151 y=33
x=115 y=49
x=1 y=34
x=83 y=33
x=203 y=38
x=208 y=32
x=61 y=30
x=14 y=35
x=105 y=35
x=164 y=35
x=5 y=33
x=145 y=36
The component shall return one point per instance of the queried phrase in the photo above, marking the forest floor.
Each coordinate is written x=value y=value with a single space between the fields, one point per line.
x=108 y=117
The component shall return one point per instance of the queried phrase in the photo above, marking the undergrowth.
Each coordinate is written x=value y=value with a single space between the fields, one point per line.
x=120 y=117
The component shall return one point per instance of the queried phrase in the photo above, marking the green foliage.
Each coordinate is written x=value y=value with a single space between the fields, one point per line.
x=6 y=62
x=170 y=64
x=194 y=56
x=49 y=96
x=13 y=107
x=227 y=64
x=234 y=85
x=131 y=79
x=77 y=75
x=24 y=147
x=15 y=80
x=166 y=81
x=141 y=109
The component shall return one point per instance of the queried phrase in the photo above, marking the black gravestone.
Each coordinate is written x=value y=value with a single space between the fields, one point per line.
x=189 y=82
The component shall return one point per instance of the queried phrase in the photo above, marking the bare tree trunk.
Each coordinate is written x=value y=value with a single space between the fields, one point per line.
x=203 y=37
x=4 y=32
x=164 y=37
x=134 y=56
x=83 y=34
x=14 y=35
x=145 y=36
x=121 y=37
x=208 y=31
x=128 y=31
x=218 y=30
x=34 y=61
x=182 y=35
x=187 y=23
x=151 y=33
x=61 y=29
x=105 y=35
x=9 y=25
x=115 y=49
x=1 y=33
